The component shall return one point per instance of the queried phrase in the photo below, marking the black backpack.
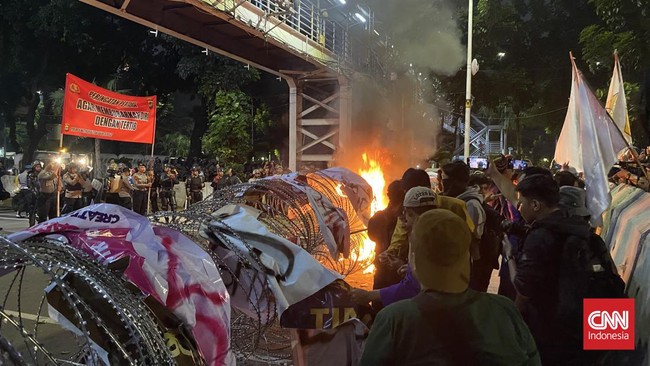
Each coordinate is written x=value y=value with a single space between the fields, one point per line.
x=491 y=240
x=586 y=271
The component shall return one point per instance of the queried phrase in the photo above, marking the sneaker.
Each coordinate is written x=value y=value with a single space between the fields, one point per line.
x=18 y=215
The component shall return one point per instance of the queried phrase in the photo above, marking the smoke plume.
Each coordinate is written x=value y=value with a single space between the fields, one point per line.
x=391 y=115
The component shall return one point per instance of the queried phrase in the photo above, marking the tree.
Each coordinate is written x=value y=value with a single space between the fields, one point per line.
x=41 y=41
x=232 y=119
x=211 y=74
x=525 y=75
x=623 y=27
x=175 y=144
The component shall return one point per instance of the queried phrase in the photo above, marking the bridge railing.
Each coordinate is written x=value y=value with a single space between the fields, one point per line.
x=311 y=21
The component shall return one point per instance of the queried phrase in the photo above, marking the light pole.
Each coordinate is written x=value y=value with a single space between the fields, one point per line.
x=468 y=89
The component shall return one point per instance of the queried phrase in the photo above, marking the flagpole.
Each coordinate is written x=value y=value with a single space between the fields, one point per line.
x=58 y=177
x=629 y=146
x=151 y=165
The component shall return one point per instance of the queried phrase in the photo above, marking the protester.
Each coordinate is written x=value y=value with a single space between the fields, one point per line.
x=448 y=323
x=566 y=178
x=48 y=185
x=396 y=254
x=536 y=271
x=380 y=230
x=74 y=183
x=142 y=184
x=455 y=179
x=512 y=225
x=417 y=201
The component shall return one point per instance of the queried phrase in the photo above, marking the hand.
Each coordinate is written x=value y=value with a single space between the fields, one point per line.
x=363 y=297
x=390 y=261
x=492 y=197
x=402 y=270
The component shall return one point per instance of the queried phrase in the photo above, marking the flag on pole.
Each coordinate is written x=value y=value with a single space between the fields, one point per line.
x=616 y=104
x=589 y=141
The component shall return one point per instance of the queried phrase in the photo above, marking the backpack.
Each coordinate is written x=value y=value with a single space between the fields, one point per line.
x=491 y=240
x=586 y=271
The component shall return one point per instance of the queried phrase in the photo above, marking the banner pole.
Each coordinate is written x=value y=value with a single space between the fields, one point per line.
x=58 y=177
x=151 y=165
x=629 y=145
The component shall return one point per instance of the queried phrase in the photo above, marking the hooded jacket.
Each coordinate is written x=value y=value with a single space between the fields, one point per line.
x=474 y=201
x=538 y=266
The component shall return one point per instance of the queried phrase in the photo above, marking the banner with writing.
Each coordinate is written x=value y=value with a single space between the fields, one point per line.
x=91 y=111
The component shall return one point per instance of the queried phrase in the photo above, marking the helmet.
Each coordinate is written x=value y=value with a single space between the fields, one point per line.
x=37 y=162
x=195 y=169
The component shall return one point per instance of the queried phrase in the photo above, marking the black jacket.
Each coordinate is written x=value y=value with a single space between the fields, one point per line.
x=538 y=264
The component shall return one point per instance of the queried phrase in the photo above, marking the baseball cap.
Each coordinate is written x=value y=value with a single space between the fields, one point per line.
x=439 y=251
x=420 y=197
x=574 y=199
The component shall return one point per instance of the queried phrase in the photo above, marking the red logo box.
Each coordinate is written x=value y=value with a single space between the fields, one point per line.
x=608 y=324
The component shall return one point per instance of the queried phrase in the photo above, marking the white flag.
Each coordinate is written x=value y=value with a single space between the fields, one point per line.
x=616 y=103
x=589 y=141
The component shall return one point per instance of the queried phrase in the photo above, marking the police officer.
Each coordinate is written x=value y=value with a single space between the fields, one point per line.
x=74 y=183
x=167 y=181
x=142 y=185
x=155 y=184
x=48 y=189
x=194 y=186
x=112 y=186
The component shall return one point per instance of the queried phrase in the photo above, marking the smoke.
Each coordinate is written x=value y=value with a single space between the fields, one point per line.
x=424 y=33
x=389 y=115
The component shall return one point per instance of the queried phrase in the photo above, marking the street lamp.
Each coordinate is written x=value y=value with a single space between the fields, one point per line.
x=468 y=89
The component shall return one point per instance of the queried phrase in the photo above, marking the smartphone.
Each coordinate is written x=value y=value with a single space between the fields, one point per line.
x=477 y=163
x=519 y=164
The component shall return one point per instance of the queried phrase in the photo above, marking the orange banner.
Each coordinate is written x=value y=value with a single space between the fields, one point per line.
x=91 y=111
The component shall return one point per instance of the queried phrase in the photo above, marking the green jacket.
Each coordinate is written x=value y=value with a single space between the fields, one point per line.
x=458 y=329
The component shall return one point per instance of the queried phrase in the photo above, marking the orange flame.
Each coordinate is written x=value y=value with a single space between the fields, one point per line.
x=374 y=175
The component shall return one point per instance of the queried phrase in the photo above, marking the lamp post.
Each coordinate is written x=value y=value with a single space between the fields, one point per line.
x=468 y=89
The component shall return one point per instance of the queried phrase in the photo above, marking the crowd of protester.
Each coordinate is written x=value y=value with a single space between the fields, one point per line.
x=438 y=246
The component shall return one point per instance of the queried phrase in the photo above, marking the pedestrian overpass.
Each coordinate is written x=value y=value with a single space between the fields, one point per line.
x=307 y=43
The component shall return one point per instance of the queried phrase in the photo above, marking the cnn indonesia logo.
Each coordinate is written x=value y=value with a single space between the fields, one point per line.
x=608 y=324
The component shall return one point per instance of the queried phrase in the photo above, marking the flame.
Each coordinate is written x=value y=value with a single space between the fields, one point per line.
x=374 y=175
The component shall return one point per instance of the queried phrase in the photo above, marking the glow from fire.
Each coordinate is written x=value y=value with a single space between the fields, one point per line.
x=373 y=174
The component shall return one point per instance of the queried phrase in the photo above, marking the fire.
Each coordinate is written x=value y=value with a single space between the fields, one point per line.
x=374 y=175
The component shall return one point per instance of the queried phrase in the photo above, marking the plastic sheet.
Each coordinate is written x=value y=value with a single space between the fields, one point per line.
x=163 y=263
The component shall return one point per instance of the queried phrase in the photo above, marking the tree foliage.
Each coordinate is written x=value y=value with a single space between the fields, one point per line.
x=624 y=28
x=233 y=123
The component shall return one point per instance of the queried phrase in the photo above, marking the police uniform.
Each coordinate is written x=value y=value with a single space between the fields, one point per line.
x=167 y=195
x=46 y=201
x=73 y=191
x=140 y=192
x=194 y=187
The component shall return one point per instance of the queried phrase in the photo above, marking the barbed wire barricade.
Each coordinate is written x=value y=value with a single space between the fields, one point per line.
x=98 y=319
x=111 y=322
x=284 y=209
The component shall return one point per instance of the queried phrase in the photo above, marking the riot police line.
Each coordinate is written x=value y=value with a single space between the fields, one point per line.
x=140 y=189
